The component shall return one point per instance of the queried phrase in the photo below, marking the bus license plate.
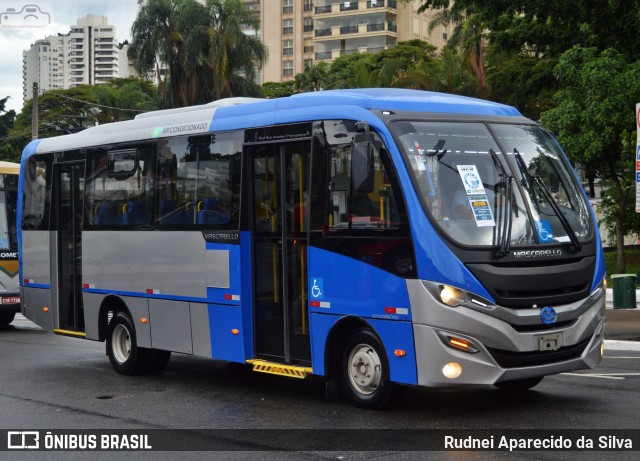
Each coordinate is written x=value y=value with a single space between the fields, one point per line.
x=11 y=300
x=549 y=342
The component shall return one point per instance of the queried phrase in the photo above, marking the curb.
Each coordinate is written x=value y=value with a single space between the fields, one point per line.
x=616 y=345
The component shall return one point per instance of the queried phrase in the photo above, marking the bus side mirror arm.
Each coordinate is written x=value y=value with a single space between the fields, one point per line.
x=362 y=173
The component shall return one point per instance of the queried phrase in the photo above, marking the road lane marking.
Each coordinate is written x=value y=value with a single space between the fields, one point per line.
x=603 y=375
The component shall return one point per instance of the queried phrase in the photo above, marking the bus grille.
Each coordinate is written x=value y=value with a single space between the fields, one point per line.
x=510 y=359
x=534 y=284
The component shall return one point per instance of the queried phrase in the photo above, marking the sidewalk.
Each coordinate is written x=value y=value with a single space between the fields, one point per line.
x=623 y=326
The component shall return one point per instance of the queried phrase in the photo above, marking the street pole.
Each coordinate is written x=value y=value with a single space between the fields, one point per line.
x=34 y=112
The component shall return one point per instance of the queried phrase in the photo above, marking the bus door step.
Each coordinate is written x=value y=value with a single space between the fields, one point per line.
x=273 y=368
x=74 y=334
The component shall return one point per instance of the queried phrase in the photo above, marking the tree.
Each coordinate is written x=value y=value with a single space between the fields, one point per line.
x=523 y=81
x=594 y=120
x=123 y=98
x=315 y=77
x=273 y=90
x=232 y=57
x=158 y=40
x=468 y=38
x=550 y=27
x=6 y=122
x=203 y=46
x=345 y=69
x=402 y=66
x=69 y=111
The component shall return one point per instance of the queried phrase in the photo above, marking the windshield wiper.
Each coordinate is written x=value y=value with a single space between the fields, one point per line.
x=507 y=222
x=528 y=179
x=577 y=246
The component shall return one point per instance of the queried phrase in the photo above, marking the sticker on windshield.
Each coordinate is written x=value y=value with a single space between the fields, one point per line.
x=471 y=179
x=477 y=196
x=545 y=234
x=481 y=210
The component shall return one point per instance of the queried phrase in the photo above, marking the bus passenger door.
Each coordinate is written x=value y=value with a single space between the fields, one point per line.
x=280 y=176
x=67 y=206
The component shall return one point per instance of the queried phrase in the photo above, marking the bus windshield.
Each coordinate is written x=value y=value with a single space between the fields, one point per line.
x=8 y=192
x=495 y=184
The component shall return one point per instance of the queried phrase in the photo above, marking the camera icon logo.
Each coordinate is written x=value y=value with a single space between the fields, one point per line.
x=20 y=14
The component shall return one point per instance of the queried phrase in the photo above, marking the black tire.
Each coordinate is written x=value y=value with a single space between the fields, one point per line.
x=517 y=385
x=159 y=360
x=122 y=347
x=364 y=371
x=6 y=318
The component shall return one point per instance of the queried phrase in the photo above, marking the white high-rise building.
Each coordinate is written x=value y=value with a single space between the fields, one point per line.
x=89 y=54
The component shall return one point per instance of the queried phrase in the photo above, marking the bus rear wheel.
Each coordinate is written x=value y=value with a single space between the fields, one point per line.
x=365 y=371
x=6 y=318
x=122 y=348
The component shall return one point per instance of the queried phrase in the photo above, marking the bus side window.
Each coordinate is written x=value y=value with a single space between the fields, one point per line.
x=371 y=227
x=119 y=187
x=198 y=181
x=37 y=191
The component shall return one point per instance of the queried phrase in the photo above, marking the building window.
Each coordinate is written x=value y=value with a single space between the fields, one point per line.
x=287 y=6
x=287 y=27
x=287 y=47
x=287 y=68
x=308 y=24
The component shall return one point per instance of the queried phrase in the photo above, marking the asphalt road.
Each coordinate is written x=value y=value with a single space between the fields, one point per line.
x=50 y=382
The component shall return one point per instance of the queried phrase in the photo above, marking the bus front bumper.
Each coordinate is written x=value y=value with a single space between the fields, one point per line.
x=495 y=350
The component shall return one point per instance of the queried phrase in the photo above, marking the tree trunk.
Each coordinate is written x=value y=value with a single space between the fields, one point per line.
x=620 y=263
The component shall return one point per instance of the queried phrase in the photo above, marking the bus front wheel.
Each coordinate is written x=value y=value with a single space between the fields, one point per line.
x=122 y=348
x=365 y=371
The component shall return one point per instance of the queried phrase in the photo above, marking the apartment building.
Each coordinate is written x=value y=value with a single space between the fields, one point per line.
x=299 y=33
x=88 y=54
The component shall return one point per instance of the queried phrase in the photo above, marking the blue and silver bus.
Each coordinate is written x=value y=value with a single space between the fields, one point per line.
x=374 y=237
x=9 y=286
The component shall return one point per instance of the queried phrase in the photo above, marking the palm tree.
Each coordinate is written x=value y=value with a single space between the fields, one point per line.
x=315 y=77
x=157 y=41
x=233 y=57
x=468 y=37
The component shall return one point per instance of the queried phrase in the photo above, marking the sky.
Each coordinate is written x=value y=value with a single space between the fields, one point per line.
x=20 y=28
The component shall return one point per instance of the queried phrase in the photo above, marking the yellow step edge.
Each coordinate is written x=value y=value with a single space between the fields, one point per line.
x=76 y=334
x=291 y=371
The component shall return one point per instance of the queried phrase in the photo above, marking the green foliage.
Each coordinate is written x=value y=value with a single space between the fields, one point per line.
x=6 y=122
x=631 y=256
x=595 y=122
x=203 y=46
x=273 y=90
x=550 y=27
x=68 y=111
x=522 y=81
x=314 y=78
x=345 y=69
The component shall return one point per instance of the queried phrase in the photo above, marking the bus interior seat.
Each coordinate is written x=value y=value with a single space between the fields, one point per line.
x=170 y=214
x=106 y=213
x=134 y=212
x=211 y=211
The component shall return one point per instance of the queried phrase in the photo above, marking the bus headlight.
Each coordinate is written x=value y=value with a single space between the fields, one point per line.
x=452 y=370
x=454 y=297
x=451 y=296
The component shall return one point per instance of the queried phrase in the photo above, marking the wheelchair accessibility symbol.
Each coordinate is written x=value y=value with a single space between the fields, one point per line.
x=317 y=288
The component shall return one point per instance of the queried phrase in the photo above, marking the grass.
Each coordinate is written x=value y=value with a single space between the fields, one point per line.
x=632 y=262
